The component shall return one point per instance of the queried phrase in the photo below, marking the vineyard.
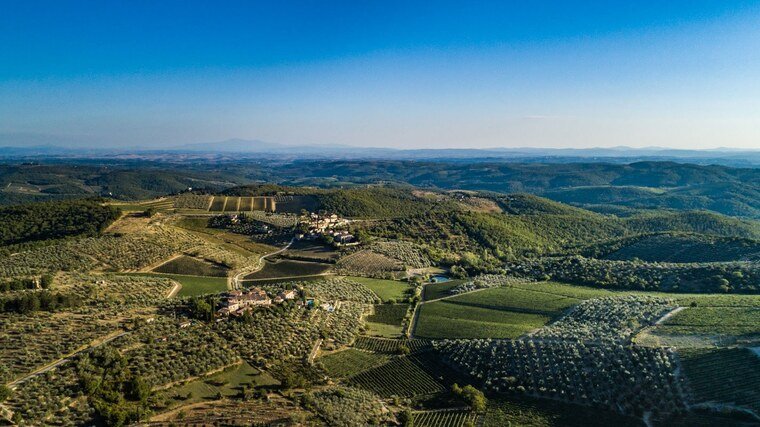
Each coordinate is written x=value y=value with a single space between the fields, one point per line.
x=241 y=204
x=350 y=362
x=391 y=346
x=399 y=377
x=735 y=321
x=728 y=376
x=389 y=314
x=191 y=266
x=450 y=319
x=285 y=268
x=445 y=418
x=516 y=299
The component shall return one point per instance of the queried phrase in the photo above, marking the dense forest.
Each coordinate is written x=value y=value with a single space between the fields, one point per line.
x=54 y=220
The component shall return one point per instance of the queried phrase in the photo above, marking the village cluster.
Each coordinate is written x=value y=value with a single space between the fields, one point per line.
x=326 y=226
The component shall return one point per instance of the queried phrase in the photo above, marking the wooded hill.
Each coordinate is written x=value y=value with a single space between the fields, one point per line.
x=54 y=220
x=609 y=188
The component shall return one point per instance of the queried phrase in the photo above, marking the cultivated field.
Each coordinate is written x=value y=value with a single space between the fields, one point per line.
x=349 y=362
x=399 y=377
x=190 y=266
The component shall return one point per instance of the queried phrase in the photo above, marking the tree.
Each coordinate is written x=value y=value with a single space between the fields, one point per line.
x=139 y=389
x=474 y=397
x=406 y=418
x=5 y=392
x=46 y=281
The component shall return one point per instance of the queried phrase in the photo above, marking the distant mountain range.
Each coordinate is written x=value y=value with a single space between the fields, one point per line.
x=243 y=149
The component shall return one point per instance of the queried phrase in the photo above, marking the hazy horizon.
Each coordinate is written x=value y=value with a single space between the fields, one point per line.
x=387 y=75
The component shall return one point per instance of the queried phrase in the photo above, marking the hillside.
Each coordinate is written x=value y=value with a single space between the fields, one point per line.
x=677 y=247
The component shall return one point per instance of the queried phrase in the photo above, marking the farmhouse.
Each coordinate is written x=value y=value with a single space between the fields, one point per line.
x=237 y=302
x=286 y=295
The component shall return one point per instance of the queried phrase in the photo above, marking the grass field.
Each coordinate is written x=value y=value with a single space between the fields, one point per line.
x=384 y=330
x=194 y=285
x=387 y=290
x=570 y=291
x=513 y=299
x=350 y=362
x=387 y=319
x=439 y=290
x=722 y=320
x=192 y=266
x=228 y=383
x=715 y=320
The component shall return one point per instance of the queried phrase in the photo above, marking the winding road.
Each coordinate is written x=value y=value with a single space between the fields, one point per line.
x=259 y=264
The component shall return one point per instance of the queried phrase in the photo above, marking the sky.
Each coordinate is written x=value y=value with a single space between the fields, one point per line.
x=400 y=74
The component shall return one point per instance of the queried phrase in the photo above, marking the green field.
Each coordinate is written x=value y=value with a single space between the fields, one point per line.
x=514 y=299
x=715 y=320
x=194 y=285
x=389 y=314
x=706 y=327
x=387 y=290
x=443 y=319
x=570 y=291
x=229 y=383
x=493 y=313
x=387 y=319
x=439 y=290
x=350 y=362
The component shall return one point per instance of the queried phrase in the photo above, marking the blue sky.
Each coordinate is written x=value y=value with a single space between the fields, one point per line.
x=390 y=74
